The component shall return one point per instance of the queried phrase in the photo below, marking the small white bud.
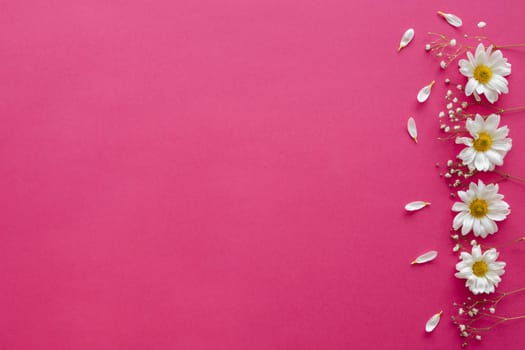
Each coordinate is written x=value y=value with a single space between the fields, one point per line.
x=492 y=310
x=427 y=47
x=478 y=337
x=456 y=248
x=447 y=81
x=453 y=42
x=473 y=242
x=482 y=24
x=443 y=64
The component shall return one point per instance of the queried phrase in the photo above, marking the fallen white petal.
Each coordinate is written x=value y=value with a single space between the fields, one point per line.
x=417 y=205
x=482 y=24
x=406 y=38
x=453 y=20
x=426 y=257
x=424 y=93
x=412 y=130
x=433 y=322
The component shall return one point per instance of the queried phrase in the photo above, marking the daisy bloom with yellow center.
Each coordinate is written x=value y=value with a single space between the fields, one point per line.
x=485 y=71
x=482 y=206
x=481 y=270
x=487 y=145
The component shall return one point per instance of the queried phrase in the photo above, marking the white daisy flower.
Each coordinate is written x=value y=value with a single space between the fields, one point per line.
x=481 y=271
x=485 y=72
x=488 y=145
x=482 y=206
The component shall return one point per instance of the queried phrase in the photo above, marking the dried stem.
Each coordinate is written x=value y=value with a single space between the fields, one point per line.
x=508 y=46
x=501 y=320
x=507 y=176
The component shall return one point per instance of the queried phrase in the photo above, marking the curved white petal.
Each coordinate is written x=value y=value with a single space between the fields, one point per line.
x=433 y=322
x=492 y=95
x=424 y=93
x=426 y=257
x=416 y=205
x=406 y=38
x=452 y=19
x=412 y=129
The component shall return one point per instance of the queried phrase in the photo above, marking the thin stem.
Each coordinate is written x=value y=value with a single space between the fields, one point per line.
x=515 y=290
x=505 y=294
x=508 y=176
x=437 y=34
x=502 y=320
x=484 y=104
x=507 y=46
x=512 y=109
x=521 y=239
x=500 y=109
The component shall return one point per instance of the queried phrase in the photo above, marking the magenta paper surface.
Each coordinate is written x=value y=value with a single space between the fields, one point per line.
x=232 y=175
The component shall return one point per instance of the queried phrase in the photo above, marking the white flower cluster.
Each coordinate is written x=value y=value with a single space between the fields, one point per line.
x=485 y=145
x=481 y=205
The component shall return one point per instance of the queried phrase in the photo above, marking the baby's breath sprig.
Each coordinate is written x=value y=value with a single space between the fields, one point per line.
x=445 y=48
x=462 y=243
x=448 y=49
x=455 y=174
x=476 y=316
x=452 y=117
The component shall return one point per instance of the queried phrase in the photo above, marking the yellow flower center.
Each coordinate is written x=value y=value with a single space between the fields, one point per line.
x=482 y=74
x=483 y=142
x=480 y=268
x=479 y=208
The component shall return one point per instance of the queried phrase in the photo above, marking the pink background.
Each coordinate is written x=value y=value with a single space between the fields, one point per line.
x=231 y=175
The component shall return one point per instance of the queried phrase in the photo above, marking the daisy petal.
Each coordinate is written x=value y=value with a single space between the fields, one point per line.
x=416 y=205
x=433 y=322
x=426 y=257
x=412 y=129
x=406 y=38
x=424 y=93
x=453 y=20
